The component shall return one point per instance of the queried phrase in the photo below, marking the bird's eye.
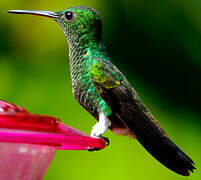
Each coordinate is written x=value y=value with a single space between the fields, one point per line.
x=69 y=15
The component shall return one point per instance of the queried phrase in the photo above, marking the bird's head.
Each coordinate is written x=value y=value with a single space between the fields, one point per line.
x=80 y=23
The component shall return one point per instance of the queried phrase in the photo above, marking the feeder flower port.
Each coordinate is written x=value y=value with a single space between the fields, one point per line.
x=28 y=142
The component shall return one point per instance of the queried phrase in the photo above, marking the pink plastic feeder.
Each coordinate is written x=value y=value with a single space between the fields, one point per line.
x=28 y=142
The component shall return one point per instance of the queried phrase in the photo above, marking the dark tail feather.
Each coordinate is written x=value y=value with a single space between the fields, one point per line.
x=169 y=154
x=148 y=132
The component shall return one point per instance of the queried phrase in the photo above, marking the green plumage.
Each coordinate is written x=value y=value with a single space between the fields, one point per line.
x=104 y=91
x=100 y=87
x=87 y=57
x=89 y=60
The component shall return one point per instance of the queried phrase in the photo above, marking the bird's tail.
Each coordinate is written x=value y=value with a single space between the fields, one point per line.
x=147 y=131
x=168 y=153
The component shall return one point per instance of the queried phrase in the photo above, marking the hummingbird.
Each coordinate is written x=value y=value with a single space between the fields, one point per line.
x=101 y=88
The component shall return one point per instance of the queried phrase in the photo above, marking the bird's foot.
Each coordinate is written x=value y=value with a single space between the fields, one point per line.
x=99 y=128
x=106 y=139
x=96 y=149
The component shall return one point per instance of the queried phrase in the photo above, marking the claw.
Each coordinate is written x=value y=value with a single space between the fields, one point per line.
x=106 y=140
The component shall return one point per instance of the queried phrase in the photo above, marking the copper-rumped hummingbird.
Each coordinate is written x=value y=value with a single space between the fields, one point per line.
x=104 y=91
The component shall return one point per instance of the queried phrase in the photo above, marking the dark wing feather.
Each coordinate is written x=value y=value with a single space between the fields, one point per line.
x=129 y=109
x=147 y=131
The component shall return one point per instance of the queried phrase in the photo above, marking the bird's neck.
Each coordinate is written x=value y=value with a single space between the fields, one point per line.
x=81 y=52
x=80 y=45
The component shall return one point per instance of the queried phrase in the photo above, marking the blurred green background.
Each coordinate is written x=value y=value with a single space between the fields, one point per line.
x=157 y=45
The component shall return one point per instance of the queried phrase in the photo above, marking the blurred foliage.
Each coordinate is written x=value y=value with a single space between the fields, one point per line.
x=157 y=46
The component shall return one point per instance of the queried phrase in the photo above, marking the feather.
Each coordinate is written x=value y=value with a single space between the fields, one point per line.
x=148 y=132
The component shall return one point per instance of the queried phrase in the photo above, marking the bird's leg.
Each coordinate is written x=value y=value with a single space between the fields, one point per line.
x=101 y=126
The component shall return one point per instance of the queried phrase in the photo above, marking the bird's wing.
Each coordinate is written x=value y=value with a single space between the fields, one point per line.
x=126 y=105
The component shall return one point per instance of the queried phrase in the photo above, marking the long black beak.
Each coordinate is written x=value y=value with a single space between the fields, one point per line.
x=49 y=14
